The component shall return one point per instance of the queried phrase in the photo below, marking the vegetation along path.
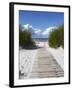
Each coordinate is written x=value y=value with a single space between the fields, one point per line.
x=45 y=65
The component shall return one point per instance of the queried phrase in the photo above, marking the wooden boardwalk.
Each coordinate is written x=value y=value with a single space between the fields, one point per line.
x=45 y=66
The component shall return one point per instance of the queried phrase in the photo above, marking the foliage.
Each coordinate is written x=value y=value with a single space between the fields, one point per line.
x=56 y=37
x=25 y=39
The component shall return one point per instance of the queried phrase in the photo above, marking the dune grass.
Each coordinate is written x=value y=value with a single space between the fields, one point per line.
x=25 y=39
x=56 y=37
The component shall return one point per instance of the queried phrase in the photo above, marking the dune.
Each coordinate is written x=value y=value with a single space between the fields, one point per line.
x=28 y=57
x=58 y=54
x=26 y=61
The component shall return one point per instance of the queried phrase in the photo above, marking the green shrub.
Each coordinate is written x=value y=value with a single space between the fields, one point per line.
x=25 y=39
x=56 y=37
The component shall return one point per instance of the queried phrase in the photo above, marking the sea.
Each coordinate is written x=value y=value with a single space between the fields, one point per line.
x=40 y=39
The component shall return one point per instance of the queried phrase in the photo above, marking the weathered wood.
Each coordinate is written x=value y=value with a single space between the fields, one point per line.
x=45 y=66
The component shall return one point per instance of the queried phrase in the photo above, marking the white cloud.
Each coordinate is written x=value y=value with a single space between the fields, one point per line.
x=37 y=32
x=27 y=26
x=46 y=32
x=31 y=28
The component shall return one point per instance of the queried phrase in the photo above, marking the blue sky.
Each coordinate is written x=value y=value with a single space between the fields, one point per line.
x=41 y=20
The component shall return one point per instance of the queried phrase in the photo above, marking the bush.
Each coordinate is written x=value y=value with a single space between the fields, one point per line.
x=25 y=39
x=56 y=37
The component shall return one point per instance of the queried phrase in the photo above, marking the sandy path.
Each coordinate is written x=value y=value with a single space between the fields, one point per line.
x=45 y=66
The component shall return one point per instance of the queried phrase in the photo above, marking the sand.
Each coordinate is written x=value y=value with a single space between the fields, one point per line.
x=29 y=57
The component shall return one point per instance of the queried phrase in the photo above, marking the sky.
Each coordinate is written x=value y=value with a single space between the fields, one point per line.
x=40 y=19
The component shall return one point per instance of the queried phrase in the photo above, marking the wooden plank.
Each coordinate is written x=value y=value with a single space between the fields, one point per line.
x=46 y=66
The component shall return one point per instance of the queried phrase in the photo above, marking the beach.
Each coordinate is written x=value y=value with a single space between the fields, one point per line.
x=43 y=62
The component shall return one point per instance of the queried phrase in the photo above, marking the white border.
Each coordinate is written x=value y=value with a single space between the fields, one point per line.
x=16 y=45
